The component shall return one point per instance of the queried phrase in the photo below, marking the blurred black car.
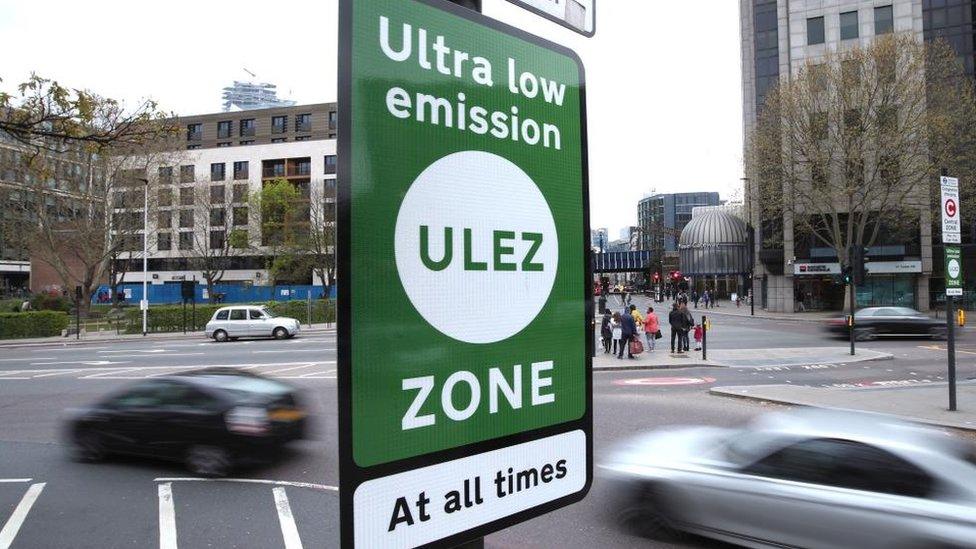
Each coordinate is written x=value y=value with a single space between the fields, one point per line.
x=208 y=419
x=871 y=322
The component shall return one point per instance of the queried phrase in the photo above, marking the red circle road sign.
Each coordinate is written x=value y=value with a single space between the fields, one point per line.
x=663 y=381
x=950 y=207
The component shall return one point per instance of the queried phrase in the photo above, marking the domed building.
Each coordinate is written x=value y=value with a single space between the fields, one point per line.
x=714 y=251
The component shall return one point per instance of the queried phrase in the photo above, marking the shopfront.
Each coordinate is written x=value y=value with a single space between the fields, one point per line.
x=818 y=286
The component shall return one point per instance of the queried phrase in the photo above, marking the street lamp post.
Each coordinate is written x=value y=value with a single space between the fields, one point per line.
x=144 y=303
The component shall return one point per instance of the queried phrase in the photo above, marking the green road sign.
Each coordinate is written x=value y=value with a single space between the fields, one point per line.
x=464 y=369
x=953 y=270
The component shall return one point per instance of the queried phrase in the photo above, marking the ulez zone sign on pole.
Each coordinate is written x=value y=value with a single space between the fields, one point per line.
x=464 y=370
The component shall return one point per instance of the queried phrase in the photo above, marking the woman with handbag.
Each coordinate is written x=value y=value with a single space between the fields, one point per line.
x=652 y=328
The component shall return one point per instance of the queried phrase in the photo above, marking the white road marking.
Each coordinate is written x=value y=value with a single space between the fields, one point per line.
x=134 y=350
x=311 y=485
x=73 y=371
x=85 y=362
x=167 y=517
x=295 y=350
x=17 y=518
x=156 y=356
x=26 y=358
x=101 y=374
x=272 y=372
x=3 y=480
x=289 y=532
x=311 y=374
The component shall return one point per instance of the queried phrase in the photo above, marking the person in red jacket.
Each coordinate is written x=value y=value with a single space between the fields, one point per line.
x=651 y=327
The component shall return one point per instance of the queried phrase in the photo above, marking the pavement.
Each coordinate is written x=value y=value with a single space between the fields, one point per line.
x=921 y=402
x=739 y=358
x=112 y=337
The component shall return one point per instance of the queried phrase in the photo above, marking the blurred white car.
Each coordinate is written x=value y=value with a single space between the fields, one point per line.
x=250 y=321
x=811 y=478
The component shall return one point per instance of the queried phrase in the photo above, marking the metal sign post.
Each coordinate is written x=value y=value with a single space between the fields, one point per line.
x=576 y=15
x=951 y=233
x=462 y=186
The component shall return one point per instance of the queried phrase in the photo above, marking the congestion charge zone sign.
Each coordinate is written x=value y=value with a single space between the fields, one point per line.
x=464 y=347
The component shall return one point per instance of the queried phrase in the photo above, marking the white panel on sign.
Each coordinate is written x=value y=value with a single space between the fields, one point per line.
x=951 y=224
x=423 y=505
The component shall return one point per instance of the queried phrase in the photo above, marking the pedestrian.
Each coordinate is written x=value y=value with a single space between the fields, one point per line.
x=652 y=328
x=629 y=330
x=638 y=319
x=687 y=324
x=695 y=297
x=706 y=297
x=698 y=336
x=616 y=331
x=606 y=331
x=676 y=321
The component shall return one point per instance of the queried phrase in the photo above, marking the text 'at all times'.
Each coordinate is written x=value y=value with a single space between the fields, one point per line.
x=455 y=113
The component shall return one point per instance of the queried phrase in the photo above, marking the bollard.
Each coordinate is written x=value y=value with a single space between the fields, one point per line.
x=704 y=325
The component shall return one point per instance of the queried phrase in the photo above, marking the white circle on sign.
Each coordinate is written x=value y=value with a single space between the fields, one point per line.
x=953 y=268
x=491 y=248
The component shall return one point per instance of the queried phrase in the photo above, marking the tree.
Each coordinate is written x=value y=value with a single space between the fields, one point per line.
x=319 y=243
x=81 y=193
x=219 y=239
x=284 y=211
x=848 y=149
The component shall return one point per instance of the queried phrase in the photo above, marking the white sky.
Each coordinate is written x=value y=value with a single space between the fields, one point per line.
x=663 y=77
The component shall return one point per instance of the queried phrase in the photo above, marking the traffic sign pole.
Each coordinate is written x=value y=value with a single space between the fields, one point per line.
x=951 y=234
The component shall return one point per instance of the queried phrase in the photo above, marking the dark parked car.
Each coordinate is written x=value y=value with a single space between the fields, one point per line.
x=208 y=419
x=871 y=322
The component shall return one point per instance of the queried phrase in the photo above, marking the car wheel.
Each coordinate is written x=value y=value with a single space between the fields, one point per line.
x=87 y=447
x=220 y=336
x=280 y=333
x=644 y=515
x=939 y=332
x=207 y=461
x=863 y=334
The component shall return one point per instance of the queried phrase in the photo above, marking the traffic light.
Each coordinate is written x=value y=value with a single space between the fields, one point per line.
x=857 y=261
x=846 y=274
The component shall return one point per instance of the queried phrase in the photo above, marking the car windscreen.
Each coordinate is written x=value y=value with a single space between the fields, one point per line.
x=244 y=385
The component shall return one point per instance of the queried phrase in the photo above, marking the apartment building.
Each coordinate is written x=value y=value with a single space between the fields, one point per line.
x=205 y=196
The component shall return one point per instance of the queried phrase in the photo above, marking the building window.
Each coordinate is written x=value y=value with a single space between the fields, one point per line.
x=274 y=168
x=186 y=196
x=240 y=193
x=164 y=242
x=224 y=129
x=848 y=25
x=247 y=127
x=216 y=240
x=218 y=217
x=332 y=120
x=186 y=174
x=303 y=137
x=194 y=132
x=240 y=170
x=279 y=139
x=193 y=147
x=240 y=216
x=330 y=163
x=164 y=219
x=217 y=171
x=246 y=142
x=279 y=124
x=186 y=219
x=224 y=144
x=303 y=122
x=217 y=194
x=165 y=175
x=186 y=241
x=165 y=197
x=884 y=21
x=303 y=166
x=815 y=30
